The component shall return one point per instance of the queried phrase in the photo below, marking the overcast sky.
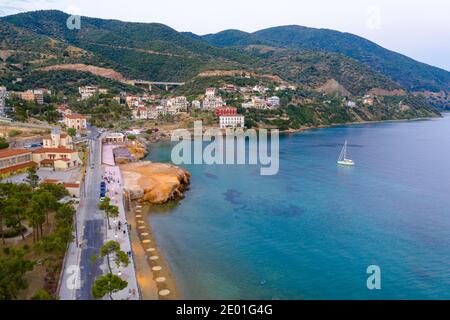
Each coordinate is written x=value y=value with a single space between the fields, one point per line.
x=419 y=29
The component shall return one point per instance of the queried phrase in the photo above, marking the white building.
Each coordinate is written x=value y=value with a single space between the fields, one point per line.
x=140 y=113
x=87 y=92
x=235 y=121
x=196 y=104
x=247 y=105
x=258 y=102
x=3 y=93
x=39 y=96
x=211 y=103
x=350 y=104
x=274 y=102
x=177 y=104
x=260 y=89
x=210 y=92
x=153 y=112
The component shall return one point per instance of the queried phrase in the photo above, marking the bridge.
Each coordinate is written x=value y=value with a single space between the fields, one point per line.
x=166 y=85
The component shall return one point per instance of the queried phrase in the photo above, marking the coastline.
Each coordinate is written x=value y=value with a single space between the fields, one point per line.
x=303 y=129
x=167 y=134
x=166 y=272
x=150 y=260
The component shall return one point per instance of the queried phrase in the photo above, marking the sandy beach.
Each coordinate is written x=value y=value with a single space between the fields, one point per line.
x=151 y=183
x=152 y=271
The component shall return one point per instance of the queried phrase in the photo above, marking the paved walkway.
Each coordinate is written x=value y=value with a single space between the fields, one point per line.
x=114 y=186
x=108 y=155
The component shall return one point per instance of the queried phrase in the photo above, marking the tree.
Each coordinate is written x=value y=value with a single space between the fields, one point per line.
x=42 y=294
x=14 y=199
x=131 y=137
x=57 y=190
x=32 y=178
x=110 y=210
x=12 y=211
x=72 y=132
x=111 y=250
x=107 y=285
x=57 y=241
x=37 y=212
x=46 y=201
x=3 y=143
x=13 y=267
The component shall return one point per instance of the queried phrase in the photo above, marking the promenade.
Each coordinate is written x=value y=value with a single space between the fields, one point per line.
x=120 y=229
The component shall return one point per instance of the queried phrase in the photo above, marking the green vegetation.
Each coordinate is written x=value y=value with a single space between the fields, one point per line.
x=13 y=267
x=412 y=75
x=3 y=143
x=42 y=294
x=110 y=283
x=72 y=132
x=38 y=207
x=107 y=285
x=32 y=177
x=23 y=110
x=66 y=82
x=110 y=210
x=14 y=133
x=298 y=55
x=324 y=111
x=103 y=112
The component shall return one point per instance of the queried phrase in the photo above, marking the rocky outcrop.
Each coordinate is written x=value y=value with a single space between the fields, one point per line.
x=137 y=151
x=156 y=183
x=384 y=92
x=98 y=71
x=332 y=86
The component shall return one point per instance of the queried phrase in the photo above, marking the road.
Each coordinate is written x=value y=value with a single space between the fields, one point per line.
x=92 y=229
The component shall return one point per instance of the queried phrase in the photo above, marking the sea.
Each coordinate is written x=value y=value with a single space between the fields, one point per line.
x=317 y=230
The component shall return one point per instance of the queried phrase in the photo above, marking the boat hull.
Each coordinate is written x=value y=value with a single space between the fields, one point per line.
x=346 y=163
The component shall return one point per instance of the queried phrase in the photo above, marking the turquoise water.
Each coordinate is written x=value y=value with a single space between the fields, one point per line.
x=311 y=231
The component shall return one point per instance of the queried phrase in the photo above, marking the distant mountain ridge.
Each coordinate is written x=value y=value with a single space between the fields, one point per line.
x=310 y=57
x=411 y=74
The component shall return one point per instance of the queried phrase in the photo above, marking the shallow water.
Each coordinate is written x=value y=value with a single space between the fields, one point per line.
x=311 y=231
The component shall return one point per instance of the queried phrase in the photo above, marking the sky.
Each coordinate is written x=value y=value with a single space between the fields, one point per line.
x=418 y=29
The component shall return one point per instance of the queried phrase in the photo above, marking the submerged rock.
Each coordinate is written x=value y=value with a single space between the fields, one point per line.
x=156 y=183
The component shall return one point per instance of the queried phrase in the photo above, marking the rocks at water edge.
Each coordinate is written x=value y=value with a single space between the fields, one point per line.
x=156 y=183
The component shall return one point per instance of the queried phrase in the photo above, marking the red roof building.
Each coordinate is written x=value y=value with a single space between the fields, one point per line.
x=226 y=111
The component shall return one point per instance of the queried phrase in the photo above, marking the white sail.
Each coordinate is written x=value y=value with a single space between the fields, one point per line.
x=343 y=160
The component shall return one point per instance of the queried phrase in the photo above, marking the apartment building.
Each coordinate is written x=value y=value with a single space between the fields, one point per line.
x=75 y=121
x=234 y=121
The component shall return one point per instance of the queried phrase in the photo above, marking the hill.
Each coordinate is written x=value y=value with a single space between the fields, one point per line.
x=315 y=58
x=410 y=74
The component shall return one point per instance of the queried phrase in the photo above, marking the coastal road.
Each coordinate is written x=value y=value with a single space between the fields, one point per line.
x=93 y=225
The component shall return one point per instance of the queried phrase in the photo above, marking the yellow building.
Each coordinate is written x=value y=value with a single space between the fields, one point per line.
x=75 y=121
x=58 y=139
x=12 y=160
x=57 y=158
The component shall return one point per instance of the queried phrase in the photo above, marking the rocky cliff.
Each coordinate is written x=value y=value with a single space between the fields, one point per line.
x=155 y=183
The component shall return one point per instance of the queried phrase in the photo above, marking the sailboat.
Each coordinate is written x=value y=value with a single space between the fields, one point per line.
x=343 y=161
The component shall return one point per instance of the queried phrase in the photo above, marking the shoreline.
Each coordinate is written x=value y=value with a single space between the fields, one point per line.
x=290 y=131
x=150 y=260
x=148 y=143
x=145 y=212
